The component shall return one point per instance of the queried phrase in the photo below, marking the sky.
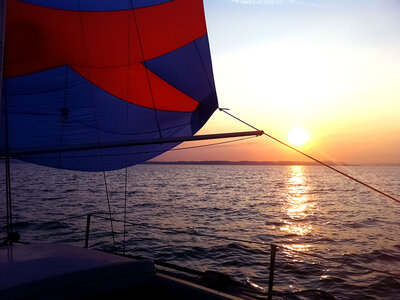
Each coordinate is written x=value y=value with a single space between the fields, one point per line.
x=331 y=67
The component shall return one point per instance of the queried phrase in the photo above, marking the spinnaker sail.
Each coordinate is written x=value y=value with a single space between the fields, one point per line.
x=86 y=73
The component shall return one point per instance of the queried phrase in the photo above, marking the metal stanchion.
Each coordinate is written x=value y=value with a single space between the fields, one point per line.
x=87 y=230
x=271 y=271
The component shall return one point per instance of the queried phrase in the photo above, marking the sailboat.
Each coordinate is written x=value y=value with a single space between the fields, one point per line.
x=97 y=86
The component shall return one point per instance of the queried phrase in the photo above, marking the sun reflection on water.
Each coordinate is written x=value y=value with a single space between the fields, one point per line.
x=299 y=247
x=298 y=207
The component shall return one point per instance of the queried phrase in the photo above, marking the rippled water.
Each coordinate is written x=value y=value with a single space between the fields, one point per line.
x=306 y=208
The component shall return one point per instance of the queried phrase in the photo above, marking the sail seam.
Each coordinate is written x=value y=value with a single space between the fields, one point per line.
x=119 y=98
x=147 y=74
x=72 y=66
x=204 y=68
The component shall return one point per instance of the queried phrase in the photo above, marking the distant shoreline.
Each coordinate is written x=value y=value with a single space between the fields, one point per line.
x=246 y=163
x=262 y=163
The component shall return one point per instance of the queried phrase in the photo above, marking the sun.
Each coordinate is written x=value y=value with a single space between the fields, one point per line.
x=298 y=136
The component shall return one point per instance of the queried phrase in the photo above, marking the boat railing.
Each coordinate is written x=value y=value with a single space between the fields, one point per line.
x=273 y=248
x=105 y=216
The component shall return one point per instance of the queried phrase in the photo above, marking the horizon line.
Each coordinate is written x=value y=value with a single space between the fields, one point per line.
x=249 y=162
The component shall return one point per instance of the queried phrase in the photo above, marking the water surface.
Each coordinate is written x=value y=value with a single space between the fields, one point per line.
x=305 y=208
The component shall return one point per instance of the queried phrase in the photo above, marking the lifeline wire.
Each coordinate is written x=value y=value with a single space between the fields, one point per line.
x=100 y=214
x=197 y=233
x=314 y=159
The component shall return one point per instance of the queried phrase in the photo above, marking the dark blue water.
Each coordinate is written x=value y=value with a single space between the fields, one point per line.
x=308 y=209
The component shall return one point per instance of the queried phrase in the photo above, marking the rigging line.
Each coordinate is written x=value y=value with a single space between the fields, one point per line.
x=126 y=129
x=125 y=200
x=108 y=204
x=214 y=144
x=8 y=196
x=7 y=165
x=145 y=66
x=7 y=206
x=314 y=159
x=96 y=118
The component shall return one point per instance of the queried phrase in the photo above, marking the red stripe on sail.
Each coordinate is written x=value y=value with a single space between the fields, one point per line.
x=101 y=45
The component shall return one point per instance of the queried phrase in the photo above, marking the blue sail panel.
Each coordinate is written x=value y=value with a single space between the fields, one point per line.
x=41 y=118
x=82 y=79
x=188 y=69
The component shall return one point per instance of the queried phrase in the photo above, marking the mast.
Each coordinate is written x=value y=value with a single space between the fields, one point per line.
x=3 y=6
x=2 y=38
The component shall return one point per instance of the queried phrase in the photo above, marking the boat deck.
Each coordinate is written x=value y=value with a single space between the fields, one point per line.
x=54 y=271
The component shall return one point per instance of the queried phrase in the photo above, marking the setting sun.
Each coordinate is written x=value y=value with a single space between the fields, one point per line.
x=298 y=136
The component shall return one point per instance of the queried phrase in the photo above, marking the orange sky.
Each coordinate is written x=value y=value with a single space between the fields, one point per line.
x=332 y=67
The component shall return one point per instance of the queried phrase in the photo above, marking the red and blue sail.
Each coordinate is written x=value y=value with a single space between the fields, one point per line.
x=79 y=74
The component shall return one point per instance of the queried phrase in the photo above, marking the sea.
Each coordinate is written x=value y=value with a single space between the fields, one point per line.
x=332 y=234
